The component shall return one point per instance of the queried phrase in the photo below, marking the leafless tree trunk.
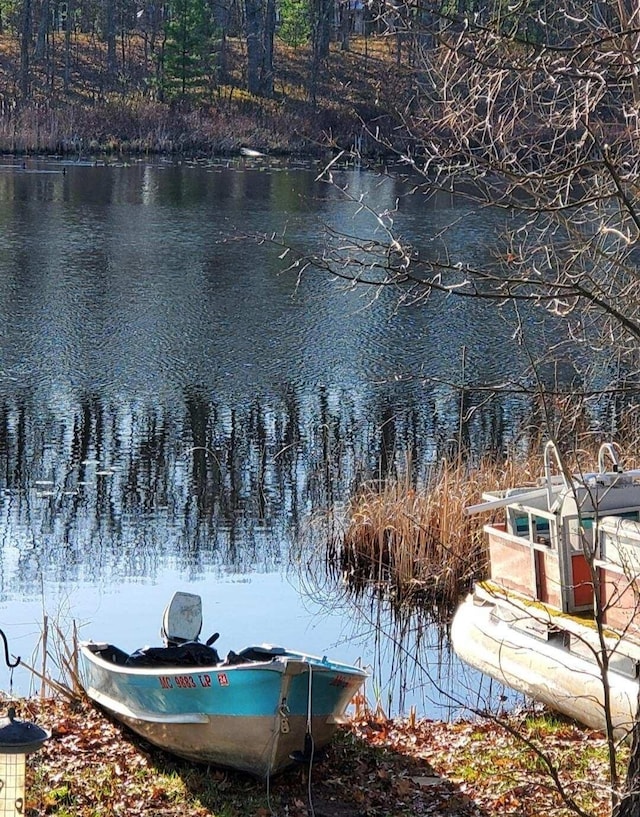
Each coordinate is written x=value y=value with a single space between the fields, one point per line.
x=110 y=28
x=629 y=803
x=43 y=30
x=260 y=31
x=25 y=47
x=321 y=11
x=345 y=24
x=68 y=30
x=221 y=15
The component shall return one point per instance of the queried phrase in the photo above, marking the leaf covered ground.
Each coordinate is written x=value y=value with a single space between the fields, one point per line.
x=93 y=767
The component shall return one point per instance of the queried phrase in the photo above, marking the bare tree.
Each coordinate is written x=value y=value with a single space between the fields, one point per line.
x=260 y=23
x=109 y=35
x=26 y=36
x=534 y=110
x=546 y=130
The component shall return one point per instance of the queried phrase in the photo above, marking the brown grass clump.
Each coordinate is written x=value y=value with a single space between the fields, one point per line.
x=421 y=545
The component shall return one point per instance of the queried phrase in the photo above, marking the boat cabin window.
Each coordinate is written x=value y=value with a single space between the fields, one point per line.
x=530 y=526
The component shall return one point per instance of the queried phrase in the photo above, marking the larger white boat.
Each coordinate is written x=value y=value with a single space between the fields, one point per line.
x=559 y=616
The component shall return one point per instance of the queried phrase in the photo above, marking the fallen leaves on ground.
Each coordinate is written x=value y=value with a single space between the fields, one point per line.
x=93 y=767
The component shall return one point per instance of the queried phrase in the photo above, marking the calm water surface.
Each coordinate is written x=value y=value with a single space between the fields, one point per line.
x=175 y=410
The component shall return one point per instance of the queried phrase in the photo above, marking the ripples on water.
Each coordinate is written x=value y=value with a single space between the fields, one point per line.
x=174 y=409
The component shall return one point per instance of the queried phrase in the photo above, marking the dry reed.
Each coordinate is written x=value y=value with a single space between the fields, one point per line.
x=59 y=654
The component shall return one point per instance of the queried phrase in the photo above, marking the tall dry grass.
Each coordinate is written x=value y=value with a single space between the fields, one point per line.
x=420 y=544
x=55 y=663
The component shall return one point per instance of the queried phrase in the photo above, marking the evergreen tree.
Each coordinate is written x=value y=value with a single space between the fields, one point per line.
x=189 y=48
x=295 y=22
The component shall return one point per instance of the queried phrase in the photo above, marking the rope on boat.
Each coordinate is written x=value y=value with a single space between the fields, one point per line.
x=311 y=741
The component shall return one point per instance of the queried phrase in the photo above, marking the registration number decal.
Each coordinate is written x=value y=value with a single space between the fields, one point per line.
x=184 y=681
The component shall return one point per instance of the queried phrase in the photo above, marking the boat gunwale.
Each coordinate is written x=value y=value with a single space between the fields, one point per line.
x=490 y=592
x=277 y=663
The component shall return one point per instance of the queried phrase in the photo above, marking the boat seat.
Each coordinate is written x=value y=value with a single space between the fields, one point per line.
x=522 y=526
x=114 y=655
x=182 y=619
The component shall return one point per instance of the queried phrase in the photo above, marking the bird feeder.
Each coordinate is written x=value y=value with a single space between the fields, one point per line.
x=17 y=740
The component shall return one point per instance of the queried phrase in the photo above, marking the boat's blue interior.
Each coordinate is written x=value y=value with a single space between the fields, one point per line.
x=522 y=525
x=542 y=525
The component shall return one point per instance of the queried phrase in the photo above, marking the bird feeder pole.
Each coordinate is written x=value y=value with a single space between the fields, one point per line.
x=17 y=740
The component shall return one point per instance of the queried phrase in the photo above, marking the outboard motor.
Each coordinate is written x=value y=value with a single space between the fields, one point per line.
x=180 y=630
x=182 y=619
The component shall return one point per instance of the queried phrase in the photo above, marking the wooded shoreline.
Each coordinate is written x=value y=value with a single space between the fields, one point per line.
x=353 y=100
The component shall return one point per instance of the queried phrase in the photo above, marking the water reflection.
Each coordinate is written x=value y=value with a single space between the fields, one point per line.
x=412 y=663
x=214 y=484
x=172 y=405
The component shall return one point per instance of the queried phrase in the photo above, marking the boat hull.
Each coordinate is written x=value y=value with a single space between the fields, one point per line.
x=252 y=717
x=543 y=666
x=254 y=745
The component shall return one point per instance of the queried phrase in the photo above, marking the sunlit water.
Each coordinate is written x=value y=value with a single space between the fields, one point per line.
x=175 y=409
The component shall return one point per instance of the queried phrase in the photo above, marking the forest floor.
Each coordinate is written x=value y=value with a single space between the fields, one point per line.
x=375 y=767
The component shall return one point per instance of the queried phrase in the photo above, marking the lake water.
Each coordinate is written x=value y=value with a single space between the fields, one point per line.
x=177 y=412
